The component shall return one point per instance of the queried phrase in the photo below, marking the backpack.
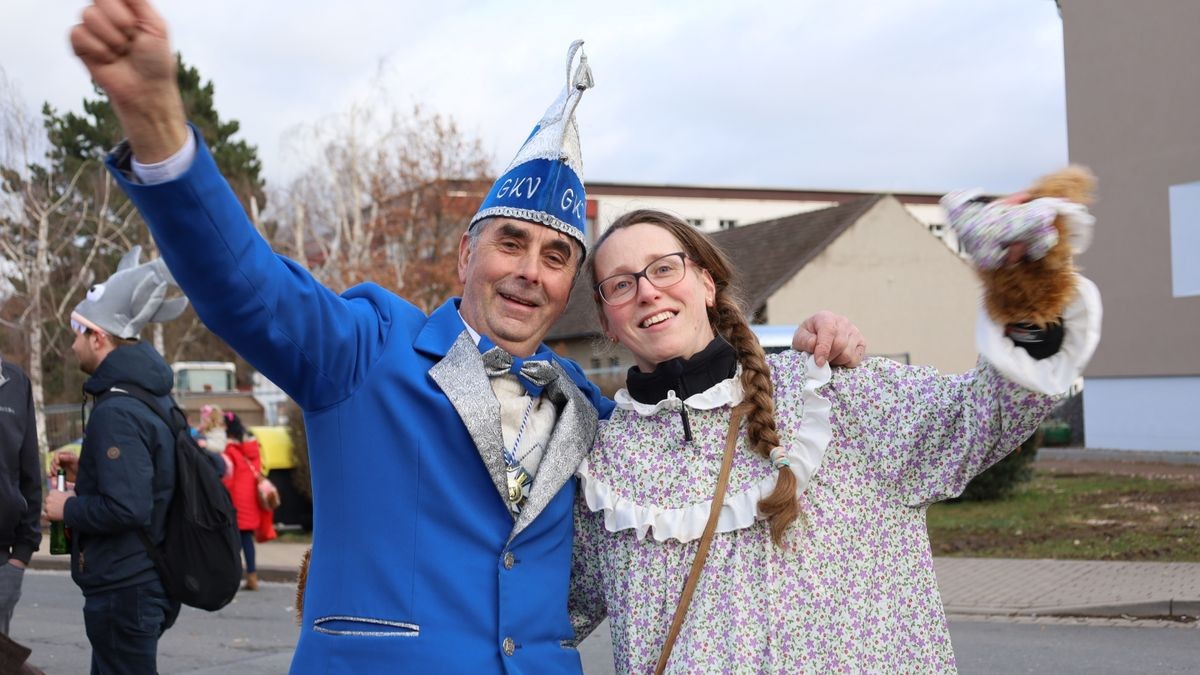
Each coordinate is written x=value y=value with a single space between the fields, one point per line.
x=200 y=559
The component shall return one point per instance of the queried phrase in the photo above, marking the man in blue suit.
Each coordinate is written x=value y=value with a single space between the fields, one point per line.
x=442 y=447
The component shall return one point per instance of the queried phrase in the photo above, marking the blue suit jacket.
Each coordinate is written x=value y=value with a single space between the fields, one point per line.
x=417 y=564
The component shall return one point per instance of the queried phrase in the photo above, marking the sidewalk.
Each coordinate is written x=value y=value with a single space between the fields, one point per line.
x=1119 y=462
x=977 y=586
x=1004 y=586
x=276 y=561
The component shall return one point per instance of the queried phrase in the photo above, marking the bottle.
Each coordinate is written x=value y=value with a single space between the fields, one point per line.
x=58 y=529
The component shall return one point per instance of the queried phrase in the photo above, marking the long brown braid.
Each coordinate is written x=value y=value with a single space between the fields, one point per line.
x=728 y=320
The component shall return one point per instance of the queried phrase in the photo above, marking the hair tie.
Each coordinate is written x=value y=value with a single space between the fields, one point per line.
x=779 y=458
x=228 y=417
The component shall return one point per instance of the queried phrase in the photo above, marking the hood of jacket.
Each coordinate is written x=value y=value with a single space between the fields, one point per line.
x=138 y=364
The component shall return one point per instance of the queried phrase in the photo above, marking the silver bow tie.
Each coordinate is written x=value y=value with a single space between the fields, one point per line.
x=534 y=373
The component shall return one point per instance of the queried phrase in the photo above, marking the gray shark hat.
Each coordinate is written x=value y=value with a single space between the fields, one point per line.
x=136 y=294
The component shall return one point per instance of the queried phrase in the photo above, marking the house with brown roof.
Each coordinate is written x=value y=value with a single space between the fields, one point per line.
x=869 y=258
x=711 y=208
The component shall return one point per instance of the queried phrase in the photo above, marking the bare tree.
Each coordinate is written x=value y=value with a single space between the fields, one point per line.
x=386 y=199
x=50 y=233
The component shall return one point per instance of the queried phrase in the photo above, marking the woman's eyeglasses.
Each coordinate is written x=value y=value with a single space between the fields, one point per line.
x=663 y=272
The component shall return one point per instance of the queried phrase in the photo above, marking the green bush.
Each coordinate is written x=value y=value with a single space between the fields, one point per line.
x=999 y=481
x=1056 y=432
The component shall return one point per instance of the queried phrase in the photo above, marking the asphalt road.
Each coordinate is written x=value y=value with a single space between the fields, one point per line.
x=255 y=635
x=1093 y=646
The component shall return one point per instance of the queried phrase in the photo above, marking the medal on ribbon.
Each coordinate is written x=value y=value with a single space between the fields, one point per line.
x=519 y=481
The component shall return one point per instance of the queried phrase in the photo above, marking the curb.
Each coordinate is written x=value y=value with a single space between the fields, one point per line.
x=265 y=573
x=281 y=574
x=38 y=562
x=1157 y=609
x=1171 y=609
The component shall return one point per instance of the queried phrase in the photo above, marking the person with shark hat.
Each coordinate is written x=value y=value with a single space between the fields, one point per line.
x=124 y=475
x=451 y=552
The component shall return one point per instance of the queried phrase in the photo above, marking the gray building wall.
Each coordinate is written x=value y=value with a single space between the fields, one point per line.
x=1133 y=116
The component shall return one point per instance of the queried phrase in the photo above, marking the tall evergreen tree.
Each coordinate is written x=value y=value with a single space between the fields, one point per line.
x=89 y=136
x=74 y=225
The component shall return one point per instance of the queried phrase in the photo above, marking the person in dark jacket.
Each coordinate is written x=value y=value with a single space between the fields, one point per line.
x=20 y=487
x=125 y=473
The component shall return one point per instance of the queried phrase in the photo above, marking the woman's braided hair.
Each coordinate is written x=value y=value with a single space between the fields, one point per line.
x=728 y=320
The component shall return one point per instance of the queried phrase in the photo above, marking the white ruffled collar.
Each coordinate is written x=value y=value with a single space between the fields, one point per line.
x=806 y=451
x=726 y=392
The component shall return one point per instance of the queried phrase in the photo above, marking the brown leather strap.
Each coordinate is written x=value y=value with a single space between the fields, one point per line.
x=702 y=550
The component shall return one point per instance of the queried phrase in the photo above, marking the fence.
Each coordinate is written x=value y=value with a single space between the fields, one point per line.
x=64 y=424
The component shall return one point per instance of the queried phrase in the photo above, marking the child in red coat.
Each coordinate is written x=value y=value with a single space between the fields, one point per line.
x=242 y=455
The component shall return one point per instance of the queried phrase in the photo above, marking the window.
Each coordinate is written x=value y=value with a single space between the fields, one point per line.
x=696 y=222
x=1185 y=239
x=614 y=362
x=728 y=224
x=595 y=364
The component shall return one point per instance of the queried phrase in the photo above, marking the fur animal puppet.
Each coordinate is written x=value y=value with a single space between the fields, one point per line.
x=1051 y=221
x=302 y=585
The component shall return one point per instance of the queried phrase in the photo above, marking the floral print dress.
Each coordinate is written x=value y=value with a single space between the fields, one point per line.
x=855 y=591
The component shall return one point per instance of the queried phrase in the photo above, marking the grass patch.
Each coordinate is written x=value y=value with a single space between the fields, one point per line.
x=1079 y=517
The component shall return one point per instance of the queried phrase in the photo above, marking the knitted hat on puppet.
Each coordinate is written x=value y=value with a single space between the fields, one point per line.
x=544 y=183
x=1054 y=226
x=132 y=297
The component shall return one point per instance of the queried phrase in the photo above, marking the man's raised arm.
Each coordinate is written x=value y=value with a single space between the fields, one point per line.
x=307 y=339
x=124 y=45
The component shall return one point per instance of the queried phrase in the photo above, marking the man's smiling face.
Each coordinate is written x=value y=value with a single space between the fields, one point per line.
x=517 y=278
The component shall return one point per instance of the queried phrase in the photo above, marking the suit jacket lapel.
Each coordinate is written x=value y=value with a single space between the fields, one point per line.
x=571 y=440
x=461 y=378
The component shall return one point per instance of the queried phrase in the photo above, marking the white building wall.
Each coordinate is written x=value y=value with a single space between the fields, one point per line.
x=908 y=295
x=711 y=211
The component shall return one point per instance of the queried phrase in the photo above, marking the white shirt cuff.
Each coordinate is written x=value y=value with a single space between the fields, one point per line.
x=170 y=168
x=1056 y=374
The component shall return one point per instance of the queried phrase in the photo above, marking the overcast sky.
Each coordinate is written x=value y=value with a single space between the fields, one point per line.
x=888 y=95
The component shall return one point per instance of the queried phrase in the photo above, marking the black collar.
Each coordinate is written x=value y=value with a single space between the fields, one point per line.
x=714 y=364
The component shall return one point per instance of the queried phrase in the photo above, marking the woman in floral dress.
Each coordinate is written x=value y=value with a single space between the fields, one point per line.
x=821 y=561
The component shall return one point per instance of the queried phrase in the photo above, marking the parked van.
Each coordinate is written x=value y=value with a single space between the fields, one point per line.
x=774 y=337
x=204 y=376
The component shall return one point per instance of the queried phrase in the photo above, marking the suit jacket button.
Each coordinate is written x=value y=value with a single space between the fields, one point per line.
x=509 y=646
x=509 y=560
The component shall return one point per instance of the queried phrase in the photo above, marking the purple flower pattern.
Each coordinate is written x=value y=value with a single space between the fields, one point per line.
x=855 y=589
x=986 y=230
